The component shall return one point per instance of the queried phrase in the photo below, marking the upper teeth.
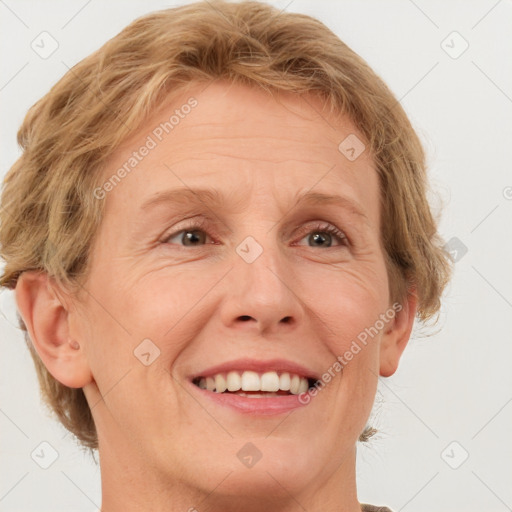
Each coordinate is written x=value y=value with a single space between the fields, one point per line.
x=252 y=381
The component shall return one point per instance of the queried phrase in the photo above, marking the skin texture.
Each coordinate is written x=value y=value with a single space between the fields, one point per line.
x=163 y=446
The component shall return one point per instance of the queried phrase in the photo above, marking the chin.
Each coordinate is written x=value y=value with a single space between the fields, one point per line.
x=273 y=467
x=272 y=480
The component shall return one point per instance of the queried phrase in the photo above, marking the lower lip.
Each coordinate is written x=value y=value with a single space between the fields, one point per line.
x=265 y=406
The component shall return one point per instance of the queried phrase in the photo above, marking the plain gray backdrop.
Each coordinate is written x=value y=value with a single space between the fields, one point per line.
x=445 y=417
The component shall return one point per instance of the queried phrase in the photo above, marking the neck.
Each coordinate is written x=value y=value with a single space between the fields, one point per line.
x=131 y=485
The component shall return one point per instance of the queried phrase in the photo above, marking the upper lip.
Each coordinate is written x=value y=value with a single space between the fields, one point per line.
x=258 y=365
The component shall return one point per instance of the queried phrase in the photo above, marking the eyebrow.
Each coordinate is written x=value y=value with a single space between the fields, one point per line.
x=214 y=199
x=187 y=196
x=321 y=199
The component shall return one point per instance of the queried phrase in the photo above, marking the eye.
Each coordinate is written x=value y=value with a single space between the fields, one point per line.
x=194 y=234
x=322 y=235
x=189 y=237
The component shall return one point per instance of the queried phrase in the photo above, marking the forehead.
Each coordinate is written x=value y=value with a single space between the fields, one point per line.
x=234 y=137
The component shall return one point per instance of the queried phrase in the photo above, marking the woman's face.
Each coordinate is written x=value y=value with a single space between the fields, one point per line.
x=209 y=263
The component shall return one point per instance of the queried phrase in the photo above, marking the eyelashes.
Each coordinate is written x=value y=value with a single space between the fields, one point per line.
x=191 y=235
x=192 y=227
x=330 y=229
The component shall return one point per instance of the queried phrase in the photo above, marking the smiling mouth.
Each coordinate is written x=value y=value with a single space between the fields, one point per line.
x=255 y=385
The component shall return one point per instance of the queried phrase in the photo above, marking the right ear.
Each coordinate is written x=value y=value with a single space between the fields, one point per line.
x=47 y=322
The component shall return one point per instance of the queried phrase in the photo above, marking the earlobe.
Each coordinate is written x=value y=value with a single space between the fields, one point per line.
x=47 y=322
x=397 y=334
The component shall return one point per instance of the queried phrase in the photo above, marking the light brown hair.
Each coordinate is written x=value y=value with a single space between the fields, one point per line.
x=49 y=215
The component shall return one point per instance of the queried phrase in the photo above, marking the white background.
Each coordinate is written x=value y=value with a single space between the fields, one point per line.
x=455 y=385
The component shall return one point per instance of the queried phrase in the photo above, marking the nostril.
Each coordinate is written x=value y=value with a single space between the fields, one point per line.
x=245 y=317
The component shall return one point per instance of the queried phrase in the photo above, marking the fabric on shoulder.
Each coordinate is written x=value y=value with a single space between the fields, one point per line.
x=366 y=507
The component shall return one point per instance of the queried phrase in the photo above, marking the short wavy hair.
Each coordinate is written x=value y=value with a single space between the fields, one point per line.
x=49 y=215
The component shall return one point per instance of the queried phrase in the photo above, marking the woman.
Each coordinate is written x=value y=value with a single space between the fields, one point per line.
x=219 y=238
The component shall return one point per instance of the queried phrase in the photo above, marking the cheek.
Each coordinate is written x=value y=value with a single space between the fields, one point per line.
x=159 y=313
x=172 y=306
x=352 y=329
x=109 y=351
x=349 y=302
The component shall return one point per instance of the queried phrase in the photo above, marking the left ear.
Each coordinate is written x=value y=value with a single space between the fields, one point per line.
x=397 y=333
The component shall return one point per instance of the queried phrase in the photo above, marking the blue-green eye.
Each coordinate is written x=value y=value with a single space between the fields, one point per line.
x=322 y=236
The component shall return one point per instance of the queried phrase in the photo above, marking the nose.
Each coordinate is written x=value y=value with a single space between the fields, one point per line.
x=262 y=296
